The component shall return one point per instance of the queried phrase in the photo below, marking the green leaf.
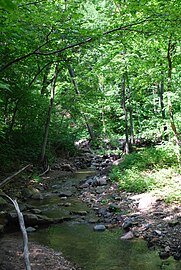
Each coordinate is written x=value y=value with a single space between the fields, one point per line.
x=7 y=4
x=4 y=86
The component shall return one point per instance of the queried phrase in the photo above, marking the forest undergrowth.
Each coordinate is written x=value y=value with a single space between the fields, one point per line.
x=153 y=169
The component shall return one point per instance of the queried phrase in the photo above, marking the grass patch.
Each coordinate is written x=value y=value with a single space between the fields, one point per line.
x=151 y=169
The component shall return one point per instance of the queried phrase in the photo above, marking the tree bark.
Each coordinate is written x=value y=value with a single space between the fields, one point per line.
x=130 y=111
x=23 y=230
x=161 y=92
x=171 y=47
x=47 y=125
x=126 y=148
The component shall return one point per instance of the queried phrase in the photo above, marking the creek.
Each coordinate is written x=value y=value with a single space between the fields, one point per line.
x=80 y=243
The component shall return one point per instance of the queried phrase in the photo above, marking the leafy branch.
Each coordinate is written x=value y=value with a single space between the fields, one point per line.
x=87 y=40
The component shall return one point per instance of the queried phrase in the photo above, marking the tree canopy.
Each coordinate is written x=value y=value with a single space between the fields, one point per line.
x=80 y=69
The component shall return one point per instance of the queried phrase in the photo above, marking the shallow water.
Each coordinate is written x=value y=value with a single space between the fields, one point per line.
x=101 y=250
x=93 y=250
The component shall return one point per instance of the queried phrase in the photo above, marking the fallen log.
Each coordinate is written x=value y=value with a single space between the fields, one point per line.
x=12 y=176
x=23 y=230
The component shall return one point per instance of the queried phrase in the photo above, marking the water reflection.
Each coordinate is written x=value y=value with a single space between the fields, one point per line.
x=101 y=250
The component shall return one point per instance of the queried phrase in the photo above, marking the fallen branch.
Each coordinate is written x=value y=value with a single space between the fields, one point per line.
x=23 y=230
x=12 y=176
x=43 y=173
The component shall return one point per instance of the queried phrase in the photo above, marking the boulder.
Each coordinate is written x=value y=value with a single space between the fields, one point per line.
x=99 y=227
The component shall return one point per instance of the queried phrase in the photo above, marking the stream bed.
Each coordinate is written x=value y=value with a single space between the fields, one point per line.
x=81 y=244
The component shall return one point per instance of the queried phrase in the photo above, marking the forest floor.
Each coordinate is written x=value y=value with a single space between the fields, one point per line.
x=41 y=257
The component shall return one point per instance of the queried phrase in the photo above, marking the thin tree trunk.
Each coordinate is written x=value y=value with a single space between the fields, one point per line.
x=125 y=115
x=72 y=75
x=101 y=87
x=130 y=112
x=131 y=124
x=13 y=117
x=161 y=92
x=154 y=99
x=171 y=47
x=47 y=125
x=45 y=82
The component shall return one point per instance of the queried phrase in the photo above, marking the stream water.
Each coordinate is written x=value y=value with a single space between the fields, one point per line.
x=89 y=249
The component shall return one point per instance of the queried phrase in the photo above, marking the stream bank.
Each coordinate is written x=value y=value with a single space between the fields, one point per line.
x=139 y=215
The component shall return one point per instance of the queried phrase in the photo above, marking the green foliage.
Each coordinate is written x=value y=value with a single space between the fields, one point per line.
x=115 y=38
x=150 y=169
x=7 y=4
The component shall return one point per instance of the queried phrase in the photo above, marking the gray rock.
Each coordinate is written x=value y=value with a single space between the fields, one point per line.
x=114 y=207
x=30 y=219
x=85 y=185
x=30 y=229
x=99 y=227
x=177 y=256
x=93 y=220
x=164 y=255
x=37 y=196
x=102 y=211
x=65 y=194
x=79 y=212
x=102 y=181
x=127 y=224
x=36 y=211
x=100 y=189
x=173 y=223
x=127 y=236
x=158 y=232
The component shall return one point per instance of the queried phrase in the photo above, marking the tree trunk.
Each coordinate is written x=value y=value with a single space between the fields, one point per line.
x=171 y=47
x=47 y=125
x=131 y=124
x=72 y=75
x=45 y=82
x=130 y=111
x=126 y=149
x=161 y=92
x=14 y=117
x=101 y=87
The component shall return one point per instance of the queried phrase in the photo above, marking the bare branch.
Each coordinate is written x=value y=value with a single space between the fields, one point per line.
x=32 y=3
x=29 y=54
x=12 y=176
x=39 y=71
